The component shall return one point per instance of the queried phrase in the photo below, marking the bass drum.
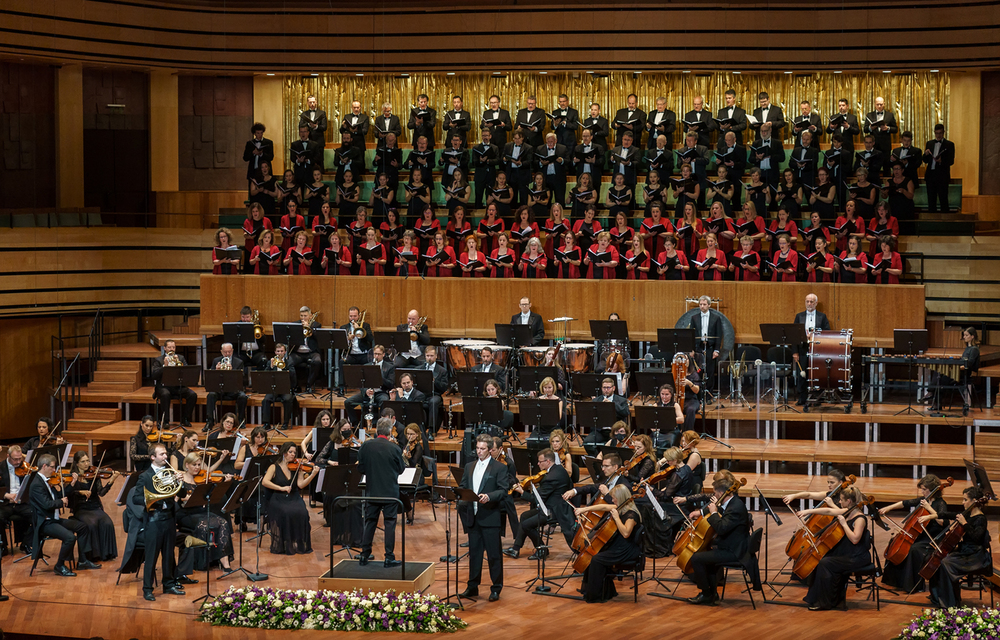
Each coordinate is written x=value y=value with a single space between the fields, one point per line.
x=533 y=356
x=830 y=361
x=577 y=357
x=456 y=351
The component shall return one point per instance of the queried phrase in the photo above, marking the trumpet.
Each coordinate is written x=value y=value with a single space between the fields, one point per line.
x=358 y=329
x=171 y=360
x=226 y=364
x=258 y=329
x=415 y=329
x=307 y=329
x=278 y=363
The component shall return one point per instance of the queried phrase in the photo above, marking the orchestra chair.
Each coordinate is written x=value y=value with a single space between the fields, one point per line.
x=866 y=578
x=749 y=566
x=986 y=578
x=41 y=555
x=634 y=568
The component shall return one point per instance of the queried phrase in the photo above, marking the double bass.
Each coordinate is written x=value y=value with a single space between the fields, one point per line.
x=679 y=368
x=699 y=534
x=900 y=543
x=947 y=540
x=825 y=540
x=814 y=523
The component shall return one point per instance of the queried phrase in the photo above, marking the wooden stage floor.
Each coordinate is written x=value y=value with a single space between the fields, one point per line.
x=92 y=605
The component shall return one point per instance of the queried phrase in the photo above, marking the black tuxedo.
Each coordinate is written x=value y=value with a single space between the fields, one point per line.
x=911 y=163
x=535 y=322
x=622 y=116
x=20 y=514
x=304 y=156
x=738 y=157
x=46 y=500
x=566 y=129
x=732 y=539
x=557 y=161
x=380 y=460
x=358 y=131
x=382 y=163
x=708 y=125
x=381 y=394
x=452 y=158
x=254 y=162
x=500 y=129
x=237 y=396
x=803 y=349
x=533 y=122
x=709 y=346
x=774 y=115
x=599 y=129
x=551 y=489
x=581 y=166
x=287 y=400
x=495 y=370
x=774 y=153
x=426 y=129
x=348 y=158
x=626 y=162
x=815 y=121
x=873 y=163
x=740 y=116
x=423 y=339
x=847 y=129
x=315 y=117
x=432 y=403
x=661 y=161
x=485 y=160
x=519 y=177
x=365 y=345
x=482 y=521
x=667 y=126
x=807 y=173
x=163 y=394
x=160 y=532
x=382 y=129
x=462 y=130
x=938 y=174
x=883 y=138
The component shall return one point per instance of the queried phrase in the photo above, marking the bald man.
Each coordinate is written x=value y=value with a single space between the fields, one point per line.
x=813 y=320
x=700 y=121
x=415 y=356
x=356 y=123
x=882 y=124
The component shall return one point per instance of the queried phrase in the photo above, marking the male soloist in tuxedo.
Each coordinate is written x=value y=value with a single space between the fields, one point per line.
x=359 y=347
x=588 y=157
x=387 y=123
x=551 y=159
x=315 y=120
x=498 y=122
x=882 y=125
x=457 y=121
x=846 y=124
x=813 y=320
x=532 y=121
x=807 y=121
x=356 y=123
x=701 y=122
x=767 y=153
x=735 y=113
x=768 y=112
x=422 y=121
x=630 y=119
x=159 y=529
x=373 y=398
x=163 y=394
x=485 y=160
x=939 y=155
x=661 y=121
x=257 y=151
x=707 y=325
x=213 y=397
x=530 y=318
x=565 y=122
x=380 y=460
x=486 y=478
x=731 y=524
x=598 y=126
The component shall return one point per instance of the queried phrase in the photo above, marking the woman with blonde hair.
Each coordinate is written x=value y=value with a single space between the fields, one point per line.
x=623 y=547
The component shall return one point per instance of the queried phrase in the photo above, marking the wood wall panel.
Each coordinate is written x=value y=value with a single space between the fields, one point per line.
x=459 y=307
x=27 y=135
x=25 y=374
x=214 y=118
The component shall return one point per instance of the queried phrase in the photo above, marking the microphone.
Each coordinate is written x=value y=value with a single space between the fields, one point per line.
x=757 y=362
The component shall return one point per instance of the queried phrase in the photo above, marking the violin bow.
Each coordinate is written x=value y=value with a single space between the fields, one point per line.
x=97 y=471
x=49 y=435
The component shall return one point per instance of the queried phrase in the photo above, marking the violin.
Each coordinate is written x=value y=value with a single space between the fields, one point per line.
x=202 y=477
x=104 y=474
x=633 y=462
x=301 y=465
x=947 y=540
x=699 y=534
x=211 y=453
x=60 y=477
x=23 y=469
x=900 y=543
x=814 y=523
x=530 y=479
x=158 y=435
x=639 y=488
x=825 y=540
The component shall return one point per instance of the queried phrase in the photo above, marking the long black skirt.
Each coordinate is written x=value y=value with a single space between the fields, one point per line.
x=103 y=545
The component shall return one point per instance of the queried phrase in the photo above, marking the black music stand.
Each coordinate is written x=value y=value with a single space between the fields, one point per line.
x=396 y=340
x=423 y=379
x=239 y=497
x=332 y=341
x=363 y=376
x=655 y=420
x=238 y=333
x=598 y=416
x=649 y=382
x=187 y=375
x=289 y=334
x=253 y=468
x=276 y=383
x=407 y=412
x=471 y=384
x=223 y=381
x=768 y=511
x=530 y=377
x=542 y=413
x=980 y=478
x=789 y=336
x=673 y=341
x=450 y=495
x=609 y=330
x=514 y=335
x=341 y=480
x=525 y=460
x=208 y=495
x=909 y=342
x=483 y=410
x=588 y=385
x=625 y=453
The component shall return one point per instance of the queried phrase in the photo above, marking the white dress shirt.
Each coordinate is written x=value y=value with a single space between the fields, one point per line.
x=526 y=318
x=477 y=479
x=704 y=323
x=810 y=321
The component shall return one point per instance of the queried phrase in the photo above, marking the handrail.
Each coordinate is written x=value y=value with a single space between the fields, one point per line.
x=96 y=337
x=918 y=276
x=68 y=370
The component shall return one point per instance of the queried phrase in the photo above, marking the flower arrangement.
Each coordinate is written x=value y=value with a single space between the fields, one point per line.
x=956 y=622
x=335 y=610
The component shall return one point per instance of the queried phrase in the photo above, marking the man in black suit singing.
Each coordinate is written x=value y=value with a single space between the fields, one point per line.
x=813 y=320
x=530 y=318
x=314 y=119
x=731 y=524
x=846 y=124
x=357 y=124
x=457 y=121
x=707 y=325
x=233 y=363
x=487 y=478
x=734 y=113
x=630 y=119
x=387 y=123
x=46 y=501
x=767 y=112
x=532 y=121
x=551 y=488
x=565 y=122
x=360 y=346
x=380 y=460
x=162 y=394
x=257 y=151
x=497 y=121
x=939 y=155
x=421 y=122
x=159 y=527
x=882 y=125
x=551 y=159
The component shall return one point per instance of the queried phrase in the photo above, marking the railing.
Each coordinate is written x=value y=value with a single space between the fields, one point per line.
x=49 y=218
x=66 y=395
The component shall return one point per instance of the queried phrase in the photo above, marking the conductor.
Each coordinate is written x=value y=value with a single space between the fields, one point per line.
x=486 y=477
x=813 y=320
x=380 y=460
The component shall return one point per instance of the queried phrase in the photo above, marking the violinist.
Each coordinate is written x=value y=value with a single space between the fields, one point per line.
x=828 y=582
x=485 y=477
x=643 y=462
x=611 y=470
x=324 y=420
x=558 y=443
x=255 y=447
x=216 y=530
x=189 y=444
x=88 y=509
x=46 y=501
x=550 y=488
x=620 y=433
x=227 y=429
x=905 y=576
x=139 y=445
x=731 y=524
x=971 y=555
x=623 y=547
x=46 y=434
x=692 y=457
x=413 y=456
x=287 y=515
x=17 y=513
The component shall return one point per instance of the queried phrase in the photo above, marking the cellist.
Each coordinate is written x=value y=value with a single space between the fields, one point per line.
x=731 y=523
x=970 y=555
x=828 y=582
x=906 y=575
x=621 y=548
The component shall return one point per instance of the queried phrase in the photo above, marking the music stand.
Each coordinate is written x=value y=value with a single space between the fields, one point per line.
x=332 y=340
x=130 y=481
x=598 y=416
x=595 y=470
x=289 y=334
x=483 y=410
x=396 y=340
x=407 y=411
x=208 y=495
x=981 y=479
x=450 y=495
x=236 y=500
x=514 y=335
x=361 y=377
x=238 y=333
x=673 y=341
x=788 y=336
x=223 y=381
x=276 y=383
x=768 y=511
x=530 y=377
x=609 y=330
x=649 y=382
x=910 y=342
x=655 y=420
x=472 y=383
x=423 y=380
x=588 y=385
x=542 y=413
x=525 y=459
x=336 y=483
x=181 y=376
x=624 y=453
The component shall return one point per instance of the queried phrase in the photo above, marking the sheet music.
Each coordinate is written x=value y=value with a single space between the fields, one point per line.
x=315 y=439
x=538 y=499
x=237 y=445
x=656 y=505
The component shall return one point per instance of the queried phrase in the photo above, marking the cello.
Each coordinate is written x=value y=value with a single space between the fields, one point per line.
x=824 y=540
x=814 y=523
x=699 y=534
x=947 y=540
x=604 y=528
x=901 y=542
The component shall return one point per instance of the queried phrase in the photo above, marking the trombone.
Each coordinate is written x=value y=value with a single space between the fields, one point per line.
x=358 y=328
x=415 y=330
x=307 y=329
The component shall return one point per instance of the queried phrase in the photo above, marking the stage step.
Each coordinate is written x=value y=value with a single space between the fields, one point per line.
x=192 y=326
x=84 y=425
x=82 y=439
x=119 y=365
x=106 y=415
x=112 y=387
x=105 y=375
